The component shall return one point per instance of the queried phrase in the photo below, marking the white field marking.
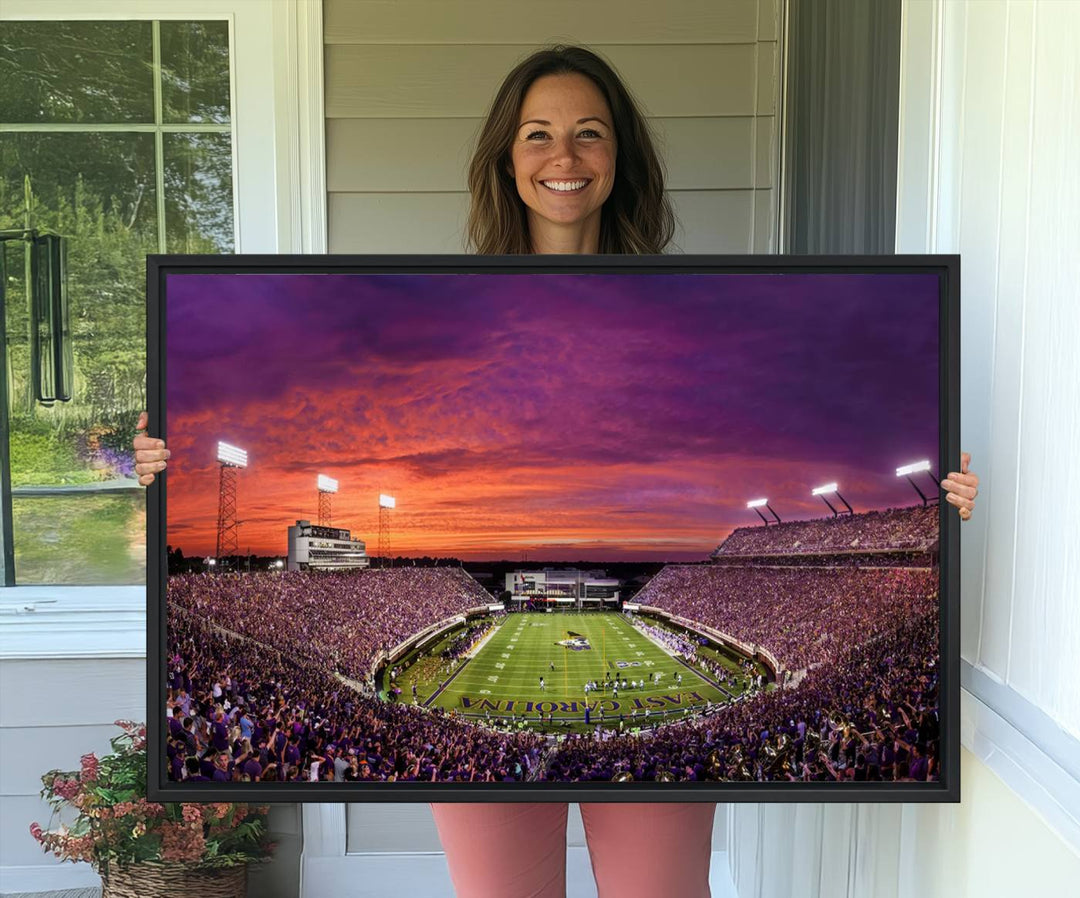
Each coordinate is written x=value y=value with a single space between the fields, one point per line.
x=485 y=692
x=648 y=663
x=506 y=654
x=499 y=665
x=640 y=654
x=493 y=679
x=482 y=643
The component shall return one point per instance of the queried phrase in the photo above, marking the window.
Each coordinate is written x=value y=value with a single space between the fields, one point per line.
x=118 y=136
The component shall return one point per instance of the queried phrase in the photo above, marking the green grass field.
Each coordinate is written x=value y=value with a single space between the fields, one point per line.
x=503 y=678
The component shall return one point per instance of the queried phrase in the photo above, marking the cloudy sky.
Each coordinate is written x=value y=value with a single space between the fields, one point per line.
x=573 y=416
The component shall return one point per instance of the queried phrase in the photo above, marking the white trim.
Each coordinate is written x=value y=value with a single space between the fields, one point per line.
x=918 y=125
x=782 y=174
x=298 y=38
x=39 y=622
x=1045 y=773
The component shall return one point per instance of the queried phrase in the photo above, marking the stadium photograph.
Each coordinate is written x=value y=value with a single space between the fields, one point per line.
x=552 y=528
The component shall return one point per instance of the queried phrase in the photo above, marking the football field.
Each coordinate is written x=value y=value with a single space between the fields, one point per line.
x=568 y=650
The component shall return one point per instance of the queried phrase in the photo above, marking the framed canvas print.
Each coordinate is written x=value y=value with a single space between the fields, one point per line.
x=589 y=528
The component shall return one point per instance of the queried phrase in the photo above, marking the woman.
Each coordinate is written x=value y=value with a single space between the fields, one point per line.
x=565 y=164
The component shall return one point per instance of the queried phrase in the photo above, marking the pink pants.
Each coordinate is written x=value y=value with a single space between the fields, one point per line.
x=498 y=850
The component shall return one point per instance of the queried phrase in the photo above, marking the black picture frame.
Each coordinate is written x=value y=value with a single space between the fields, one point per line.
x=946 y=267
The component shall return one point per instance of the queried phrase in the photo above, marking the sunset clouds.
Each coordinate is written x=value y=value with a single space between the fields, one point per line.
x=598 y=416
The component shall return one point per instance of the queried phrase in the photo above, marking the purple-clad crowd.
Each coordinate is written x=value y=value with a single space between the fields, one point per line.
x=337 y=620
x=911 y=529
x=804 y=615
x=263 y=672
x=871 y=716
x=242 y=712
x=682 y=645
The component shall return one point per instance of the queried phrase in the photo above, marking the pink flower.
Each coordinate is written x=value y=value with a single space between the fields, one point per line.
x=89 y=768
x=36 y=832
x=181 y=842
x=192 y=813
x=65 y=788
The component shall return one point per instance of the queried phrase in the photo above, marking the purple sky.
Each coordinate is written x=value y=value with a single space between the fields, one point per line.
x=574 y=416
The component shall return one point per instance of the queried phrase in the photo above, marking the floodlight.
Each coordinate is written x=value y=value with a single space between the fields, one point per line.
x=757 y=504
x=386 y=501
x=832 y=488
x=231 y=455
x=327 y=484
x=914 y=468
x=211 y=561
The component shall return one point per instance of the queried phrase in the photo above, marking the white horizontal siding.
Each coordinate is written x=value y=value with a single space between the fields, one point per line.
x=76 y=692
x=709 y=221
x=432 y=154
x=439 y=81
x=522 y=22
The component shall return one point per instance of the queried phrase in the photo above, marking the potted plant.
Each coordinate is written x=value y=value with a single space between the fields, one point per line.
x=141 y=847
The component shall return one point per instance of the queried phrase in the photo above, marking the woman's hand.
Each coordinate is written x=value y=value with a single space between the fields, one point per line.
x=150 y=454
x=961 y=488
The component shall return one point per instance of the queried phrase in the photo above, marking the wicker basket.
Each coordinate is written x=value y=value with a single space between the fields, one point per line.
x=149 y=880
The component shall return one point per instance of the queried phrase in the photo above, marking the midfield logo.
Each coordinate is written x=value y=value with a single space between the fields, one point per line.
x=574 y=641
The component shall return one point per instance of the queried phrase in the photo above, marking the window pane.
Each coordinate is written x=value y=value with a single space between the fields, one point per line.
x=198 y=193
x=195 y=71
x=81 y=540
x=76 y=72
x=98 y=190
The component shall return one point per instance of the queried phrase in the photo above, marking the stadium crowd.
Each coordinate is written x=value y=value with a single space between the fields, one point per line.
x=911 y=529
x=341 y=620
x=804 y=615
x=242 y=712
x=678 y=643
x=870 y=716
x=256 y=688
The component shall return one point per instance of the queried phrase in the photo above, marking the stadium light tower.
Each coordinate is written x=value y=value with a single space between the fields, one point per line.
x=756 y=504
x=832 y=488
x=231 y=459
x=327 y=487
x=915 y=468
x=385 y=504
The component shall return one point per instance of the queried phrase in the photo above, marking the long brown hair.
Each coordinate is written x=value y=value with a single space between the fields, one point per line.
x=637 y=216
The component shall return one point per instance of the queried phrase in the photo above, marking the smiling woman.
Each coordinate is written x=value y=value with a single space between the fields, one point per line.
x=563 y=117
x=563 y=162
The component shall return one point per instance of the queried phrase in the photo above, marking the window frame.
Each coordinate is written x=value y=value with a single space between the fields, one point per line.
x=277 y=129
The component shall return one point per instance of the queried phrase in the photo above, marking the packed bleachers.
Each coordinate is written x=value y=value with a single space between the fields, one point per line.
x=893 y=530
x=253 y=692
x=245 y=712
x=341 y=620
x=869 y=716
x=802 y=615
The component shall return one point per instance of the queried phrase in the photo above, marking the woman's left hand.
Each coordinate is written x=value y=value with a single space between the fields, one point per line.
x=962 y=487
